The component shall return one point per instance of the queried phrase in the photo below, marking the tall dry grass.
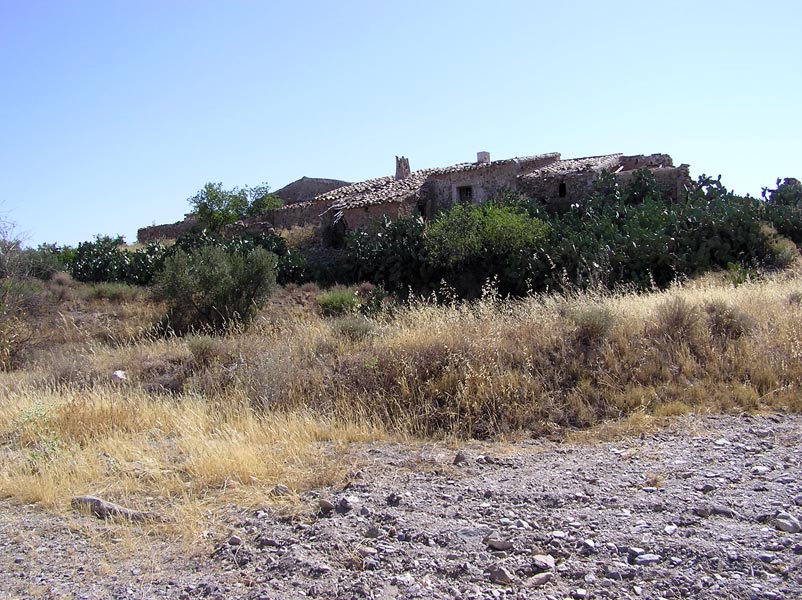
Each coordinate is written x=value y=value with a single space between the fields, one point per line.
x=203 y=421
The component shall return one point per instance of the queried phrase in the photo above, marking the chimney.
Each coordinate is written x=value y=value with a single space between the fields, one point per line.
x=483 y=158
x=401 y=167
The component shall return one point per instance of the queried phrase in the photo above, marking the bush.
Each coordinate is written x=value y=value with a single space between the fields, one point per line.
x=479 y=243
x=353 y=328
x=46 y=260
x=677 y=321
x=211 y=289
x=726 y=321
x=291 y=267
x=113 y=292
x=101 y=260
x=593 y=324
x=105 y=260
x=394 y=256
x=338 y=301
x=20 y=300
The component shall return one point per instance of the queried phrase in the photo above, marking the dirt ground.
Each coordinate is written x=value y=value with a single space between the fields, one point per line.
x=708 y=507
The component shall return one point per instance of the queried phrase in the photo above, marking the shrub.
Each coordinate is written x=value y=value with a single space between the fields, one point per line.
x=100 y=260
x=144 y=263
x=593 y=324
x=291 y=267
x=113 y=292
x=479 y=243
x=394 y=256
x=338 y=301
x=211 y=289
x=207 y=350
x=726 y=321
x=354 y=328
x=46 y=260
x=20 y=300
x=677 y=320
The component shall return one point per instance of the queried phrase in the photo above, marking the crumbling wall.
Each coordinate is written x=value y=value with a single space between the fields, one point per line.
x=672 y=181
x=574 y=188
x=559 y=190
x=442 y=190
x=365 y=217
x=169 y=231
x=648 y=161
x=297 y=215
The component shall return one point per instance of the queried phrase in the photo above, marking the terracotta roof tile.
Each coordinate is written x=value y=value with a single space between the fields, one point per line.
x=576 y=165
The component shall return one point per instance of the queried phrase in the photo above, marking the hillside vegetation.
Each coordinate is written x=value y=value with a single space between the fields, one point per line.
x=196 y=421
x=204 y=388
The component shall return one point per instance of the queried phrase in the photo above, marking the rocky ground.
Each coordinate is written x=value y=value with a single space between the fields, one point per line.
x=708 y=507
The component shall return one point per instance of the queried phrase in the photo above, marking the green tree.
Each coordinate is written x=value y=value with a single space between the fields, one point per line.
x=216 y=207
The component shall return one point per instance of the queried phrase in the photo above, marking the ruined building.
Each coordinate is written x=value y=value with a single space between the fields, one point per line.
x=544 y=177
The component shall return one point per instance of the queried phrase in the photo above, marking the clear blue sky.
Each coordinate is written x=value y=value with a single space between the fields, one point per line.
x=113 y=113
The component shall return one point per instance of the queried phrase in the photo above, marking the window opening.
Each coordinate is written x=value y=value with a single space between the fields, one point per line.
x=563 y=191
x=465 y=194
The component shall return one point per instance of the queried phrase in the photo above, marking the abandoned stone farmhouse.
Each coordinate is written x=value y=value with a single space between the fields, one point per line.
x=544 y=177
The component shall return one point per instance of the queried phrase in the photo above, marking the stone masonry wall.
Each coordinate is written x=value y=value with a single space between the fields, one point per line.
x=298 y=215
x=575 y=187
x=170 y=231
x=673 y=182
x=365 y=217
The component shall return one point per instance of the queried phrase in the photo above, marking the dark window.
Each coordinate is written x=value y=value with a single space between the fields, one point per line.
x=465 y=194
x=563 y=190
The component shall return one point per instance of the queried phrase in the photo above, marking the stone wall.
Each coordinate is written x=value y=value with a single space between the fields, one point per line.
x=170 y=231
x=649 y=161
x=298 y=215
x=574 y=188
x=673 y=181
x=366 y=217
x=559 y=190
x=442 y=190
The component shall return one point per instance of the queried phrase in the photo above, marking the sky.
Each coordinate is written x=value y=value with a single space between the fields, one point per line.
x=113 y=113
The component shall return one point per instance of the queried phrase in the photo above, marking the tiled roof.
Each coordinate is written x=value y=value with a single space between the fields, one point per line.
x=383 y=190
x=576 y=165
x=389 y=189
x=376 y=191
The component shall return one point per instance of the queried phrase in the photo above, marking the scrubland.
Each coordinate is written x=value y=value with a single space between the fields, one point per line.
x=98 y=404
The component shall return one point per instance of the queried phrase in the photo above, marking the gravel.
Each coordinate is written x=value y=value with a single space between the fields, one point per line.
x=708 y=508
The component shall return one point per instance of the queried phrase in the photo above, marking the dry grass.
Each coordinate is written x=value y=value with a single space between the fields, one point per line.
x=174 y=457
x=202 y=422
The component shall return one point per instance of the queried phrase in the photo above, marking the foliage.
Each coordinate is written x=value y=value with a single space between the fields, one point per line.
x=46 y=260
x=478 y=243
x=787 y=193
x=216 y=207
x=621 y=234
x=394 y=256
x=104 y=260
x=783 y=206
x=100 y=260
x=653 y=242
x=211 y=288
x=338 y=301
x=292 y=265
